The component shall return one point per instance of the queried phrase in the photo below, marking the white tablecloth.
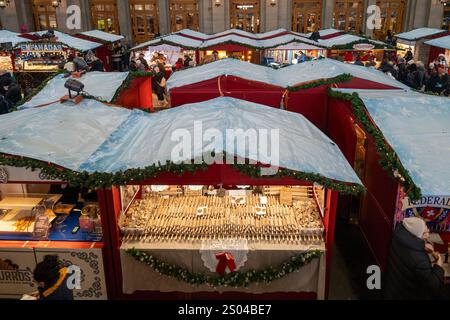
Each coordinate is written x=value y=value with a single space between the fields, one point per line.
x=139 y=277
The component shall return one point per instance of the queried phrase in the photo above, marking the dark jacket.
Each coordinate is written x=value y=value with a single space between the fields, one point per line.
x=410 y=274
x=57 y=290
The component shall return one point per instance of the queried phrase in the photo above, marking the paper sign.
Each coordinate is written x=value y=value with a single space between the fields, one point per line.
x=261 y=210
x=238 y=200
x=237 y=193
x=263 y=200
x=201 y=211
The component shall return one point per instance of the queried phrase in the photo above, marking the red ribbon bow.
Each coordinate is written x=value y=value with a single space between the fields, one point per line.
x=226 y=260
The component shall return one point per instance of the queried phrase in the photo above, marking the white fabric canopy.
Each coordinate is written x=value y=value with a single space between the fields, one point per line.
x=95 y=138
x=73 y=42
x=102 y=85
x=101 y=35
x=443 y=42
x=13 y=37
x=419 y=33
x=172 y=39
x=285 y=77
x=417 y=127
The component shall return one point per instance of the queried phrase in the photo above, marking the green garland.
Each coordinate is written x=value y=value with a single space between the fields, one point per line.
x=38 y=89
x=339 y=79
x=127 y=83
x=235 y=279
x=388 y=158
x=104 y=180
x=349 y=46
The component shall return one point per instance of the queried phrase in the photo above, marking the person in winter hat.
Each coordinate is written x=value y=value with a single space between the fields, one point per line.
x=411 y=275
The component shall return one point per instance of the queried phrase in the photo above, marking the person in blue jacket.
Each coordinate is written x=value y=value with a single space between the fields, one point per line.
x=51 y=276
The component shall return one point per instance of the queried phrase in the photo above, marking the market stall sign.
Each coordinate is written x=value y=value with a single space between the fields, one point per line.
x=41 y=47
x=363 y=46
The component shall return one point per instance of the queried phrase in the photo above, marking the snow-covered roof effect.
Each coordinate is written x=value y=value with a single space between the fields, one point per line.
x=443 y=42
x=101 y=35
x=285 y=77
x=115 y=139
x=73 y=42
x=13 y=37
x=417 y=127
x=102 y=85
x=419 y=33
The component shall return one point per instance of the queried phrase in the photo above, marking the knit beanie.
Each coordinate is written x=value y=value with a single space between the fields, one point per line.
x=416 y=226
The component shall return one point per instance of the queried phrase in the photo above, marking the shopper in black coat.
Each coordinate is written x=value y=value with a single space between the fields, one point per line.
x=52 y=277
x=410 y=274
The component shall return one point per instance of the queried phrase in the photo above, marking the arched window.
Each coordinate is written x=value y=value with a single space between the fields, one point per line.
x=348 y=15
x=306 y=15
x=44 y=15
x=104 y=15
x=144 y=19
x=244 y=15
x=183 y=15
x=392 y=16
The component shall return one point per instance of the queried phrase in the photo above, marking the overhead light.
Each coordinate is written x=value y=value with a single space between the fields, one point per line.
x=4 y=3
x=56 y=3
x=74 y=85
x=217 y=3
x=273 y=3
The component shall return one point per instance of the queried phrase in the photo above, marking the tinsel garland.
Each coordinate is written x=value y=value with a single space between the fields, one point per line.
x=129 y=79
x=388 y=158
x=104 y=180
x=36 y=90
x=346 y=77
x=235 y=279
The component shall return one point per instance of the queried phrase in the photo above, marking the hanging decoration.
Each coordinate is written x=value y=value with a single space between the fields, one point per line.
x=233 y=279
x=346 y=77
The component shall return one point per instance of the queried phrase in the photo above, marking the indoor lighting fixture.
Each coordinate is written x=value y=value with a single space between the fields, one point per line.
x=56 y=3
x=4 y=3
x=217 y=3
x=273 y=3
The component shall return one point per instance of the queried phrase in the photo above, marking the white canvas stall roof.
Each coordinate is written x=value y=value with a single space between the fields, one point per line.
x=345 y=39
x=101 y=35
x=327 y=32
x=443 y=42
x=297 y=46
x=116 y=139
x=13 y=37
x=416 y=126
x=419 y=33
x=102 y=85
x=285 y=77
x=73 y=42
x=172 y=39
x=205 y=36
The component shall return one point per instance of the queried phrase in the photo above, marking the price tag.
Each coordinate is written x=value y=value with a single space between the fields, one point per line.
x=263 y=200
x=261 y=210
x=286 y=196
x=239 y=200
x=201 y=211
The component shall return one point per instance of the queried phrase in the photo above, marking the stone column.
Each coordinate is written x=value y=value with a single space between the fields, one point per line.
x=436 y=14
x=327 y=14
x=367 y=31
x=206 y=21
x=420 y=14
x=9 y=17
x=164 y=17
x=123 y=11
x=220 y=16
x=285 y=15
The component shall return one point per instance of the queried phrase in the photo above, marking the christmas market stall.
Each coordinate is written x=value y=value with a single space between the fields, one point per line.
x=348 y=47
x=8 y=40
x=45 y=53
x=189 y=218
x=439 y=46
x=109 y=43
x=128 y=89
x=414 y=40
x=42 y=215
x=404 y=171
x=300 y=88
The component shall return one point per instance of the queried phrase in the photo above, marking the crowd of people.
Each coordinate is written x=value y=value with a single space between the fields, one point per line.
x=9 y=92
x=433 y=78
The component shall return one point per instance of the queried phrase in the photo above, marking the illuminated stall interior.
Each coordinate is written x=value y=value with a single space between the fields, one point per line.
x=306 y=15
x=105 y=16
x=245 y=15
x=348 y=15
x=184 y=15
x=144 y=19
